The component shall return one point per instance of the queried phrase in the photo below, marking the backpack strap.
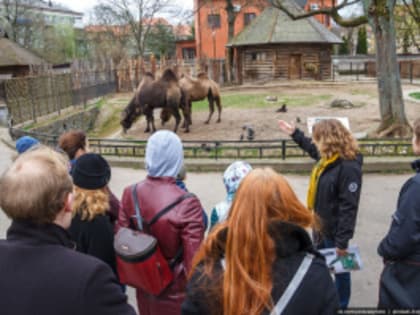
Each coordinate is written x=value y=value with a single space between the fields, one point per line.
x=169 y=207
x=158 y=215
x=293 y=285
x=137 y=207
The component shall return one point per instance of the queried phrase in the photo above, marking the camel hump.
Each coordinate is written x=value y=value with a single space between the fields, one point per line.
x=202 y=76
x=169 y=75
x=150 y=75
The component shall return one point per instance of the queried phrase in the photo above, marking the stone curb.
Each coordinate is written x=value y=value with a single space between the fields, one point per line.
x=371 y=164
x=291 y=165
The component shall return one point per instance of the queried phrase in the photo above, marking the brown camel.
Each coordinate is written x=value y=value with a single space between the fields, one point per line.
x=164 y=92
x=200 y=88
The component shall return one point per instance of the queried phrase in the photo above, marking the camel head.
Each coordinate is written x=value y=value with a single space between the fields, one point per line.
x=130 y=114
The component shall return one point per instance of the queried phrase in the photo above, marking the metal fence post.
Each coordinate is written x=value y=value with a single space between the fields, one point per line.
x=411 y=72
x=283 y=149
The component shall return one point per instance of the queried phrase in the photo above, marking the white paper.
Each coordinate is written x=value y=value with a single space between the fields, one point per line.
x=338 y=267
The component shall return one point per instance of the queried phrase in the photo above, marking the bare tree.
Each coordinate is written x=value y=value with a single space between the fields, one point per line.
x=22 y=20
x=136 y=17
x=379 y=15
x=407 y=22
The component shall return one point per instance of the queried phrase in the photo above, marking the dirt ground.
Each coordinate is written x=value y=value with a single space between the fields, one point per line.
x=363 y=117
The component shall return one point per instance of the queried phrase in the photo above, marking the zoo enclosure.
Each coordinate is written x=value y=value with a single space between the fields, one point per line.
x=28 y=98
x=268 y=149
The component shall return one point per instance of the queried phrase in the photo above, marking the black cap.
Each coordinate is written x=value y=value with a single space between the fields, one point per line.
x=91 y=171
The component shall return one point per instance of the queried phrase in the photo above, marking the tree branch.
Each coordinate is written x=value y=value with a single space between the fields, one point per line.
x=296 y=13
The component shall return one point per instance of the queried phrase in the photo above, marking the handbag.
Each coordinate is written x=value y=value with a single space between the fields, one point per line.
x=140 y=262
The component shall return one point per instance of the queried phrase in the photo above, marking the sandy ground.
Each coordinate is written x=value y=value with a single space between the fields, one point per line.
x=364 y=117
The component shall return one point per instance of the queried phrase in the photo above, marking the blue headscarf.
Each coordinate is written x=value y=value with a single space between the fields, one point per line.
x=164 y=154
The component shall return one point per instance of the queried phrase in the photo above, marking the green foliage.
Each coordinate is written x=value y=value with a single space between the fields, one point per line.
x=161 y=41
x=344 y=47
x=57 y=44
x=362 y=44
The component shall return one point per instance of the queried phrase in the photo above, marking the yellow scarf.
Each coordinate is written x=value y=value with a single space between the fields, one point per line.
x=316 y=173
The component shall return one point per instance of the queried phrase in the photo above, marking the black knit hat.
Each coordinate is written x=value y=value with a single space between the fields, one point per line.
x=91 y=171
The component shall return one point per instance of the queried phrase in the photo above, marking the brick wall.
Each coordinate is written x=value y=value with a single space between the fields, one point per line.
x=210 y=41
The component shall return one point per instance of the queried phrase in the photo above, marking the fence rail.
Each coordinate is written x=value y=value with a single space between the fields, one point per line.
x=268 y=149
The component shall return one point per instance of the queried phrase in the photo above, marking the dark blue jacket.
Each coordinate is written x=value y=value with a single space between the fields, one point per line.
x=403 y=239
x=338 y=193
x=42 y=274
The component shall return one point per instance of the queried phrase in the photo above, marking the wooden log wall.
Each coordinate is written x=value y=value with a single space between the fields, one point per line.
x=273 y=62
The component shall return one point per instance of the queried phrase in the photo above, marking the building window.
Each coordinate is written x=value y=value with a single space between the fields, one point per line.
x=188 y=53
x=248 y=17
x=314 y=6
x=213 y=21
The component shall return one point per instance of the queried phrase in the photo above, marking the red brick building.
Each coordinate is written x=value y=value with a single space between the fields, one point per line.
x=211 y=22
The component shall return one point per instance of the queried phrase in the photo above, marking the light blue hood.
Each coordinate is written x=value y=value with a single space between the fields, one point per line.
x=164 y=154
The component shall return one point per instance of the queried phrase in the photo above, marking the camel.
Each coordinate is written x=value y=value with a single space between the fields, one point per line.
x=196 y=90
x=164 y=92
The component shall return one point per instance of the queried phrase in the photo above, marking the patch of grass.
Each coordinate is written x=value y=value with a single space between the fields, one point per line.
x=258 y=100
x=109 y=119
x=415 y=95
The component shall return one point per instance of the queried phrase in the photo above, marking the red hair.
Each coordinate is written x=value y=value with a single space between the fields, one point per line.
x=263 y=196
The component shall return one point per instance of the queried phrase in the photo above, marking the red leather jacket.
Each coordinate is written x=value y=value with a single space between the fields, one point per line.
x=181 y=226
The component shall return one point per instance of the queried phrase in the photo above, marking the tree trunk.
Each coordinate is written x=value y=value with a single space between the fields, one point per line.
x=231 y=33
x=393 y=118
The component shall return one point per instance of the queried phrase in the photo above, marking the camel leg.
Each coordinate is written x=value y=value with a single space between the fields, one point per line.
x=152 y=120
x=219 y=108
x=177 y=118
x=148 y=124
x=211 y=107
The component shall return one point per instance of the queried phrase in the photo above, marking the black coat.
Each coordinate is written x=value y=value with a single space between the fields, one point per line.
x=41 y=274
x=315 y=295
x=401 y=249
x=95 y=238
x=338 y=194
x=403 y=239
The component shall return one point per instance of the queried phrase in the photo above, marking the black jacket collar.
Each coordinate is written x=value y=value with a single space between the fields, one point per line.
x=415 y=165
x=35 y=234
x=289 y=239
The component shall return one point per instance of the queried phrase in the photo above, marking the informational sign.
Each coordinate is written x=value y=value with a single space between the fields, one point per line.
x=313 y=120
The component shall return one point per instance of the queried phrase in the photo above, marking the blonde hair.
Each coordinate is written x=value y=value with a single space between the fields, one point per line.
x=90 y=203
x=331 y=137
x=35 y=186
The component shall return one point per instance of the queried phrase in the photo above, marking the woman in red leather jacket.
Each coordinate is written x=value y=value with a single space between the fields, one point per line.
x=181 y=227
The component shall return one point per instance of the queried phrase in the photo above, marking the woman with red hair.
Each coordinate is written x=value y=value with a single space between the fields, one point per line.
x=247 y=263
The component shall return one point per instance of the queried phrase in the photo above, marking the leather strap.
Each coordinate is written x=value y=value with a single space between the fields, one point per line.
x=157 y=216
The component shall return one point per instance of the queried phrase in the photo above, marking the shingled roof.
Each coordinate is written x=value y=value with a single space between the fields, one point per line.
x=273 y=26
x=12 y=54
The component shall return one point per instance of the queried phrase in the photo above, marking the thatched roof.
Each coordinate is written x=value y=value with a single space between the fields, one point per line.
x=12 y=54
x=273 y=26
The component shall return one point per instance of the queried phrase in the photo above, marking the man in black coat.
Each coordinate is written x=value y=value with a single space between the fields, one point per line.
x=40 y=272
x=400 y=248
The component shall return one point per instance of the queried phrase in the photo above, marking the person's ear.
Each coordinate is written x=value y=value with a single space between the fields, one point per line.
x=68 y=206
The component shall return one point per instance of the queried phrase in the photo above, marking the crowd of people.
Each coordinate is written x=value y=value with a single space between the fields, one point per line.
x=261 y=254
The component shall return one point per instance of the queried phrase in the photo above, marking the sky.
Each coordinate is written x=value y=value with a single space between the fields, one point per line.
x=84 y=6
